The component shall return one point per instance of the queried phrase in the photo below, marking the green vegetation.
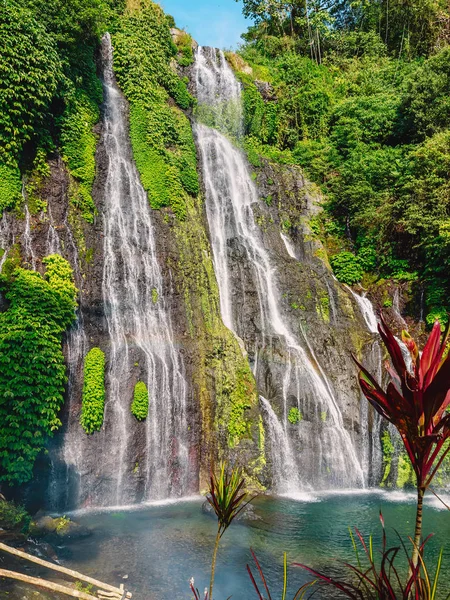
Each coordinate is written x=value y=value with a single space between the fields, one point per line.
x=294 y=416
x=235 y=415
x=184 y=42
x=93 y=404
x=78 y=141
x=357 y=95
x=13 y=517
x=346 y=267
x=139 y=406
x=10 y=186
x=49 y=90
x=388 y=454
x=161 y=136
x=32 y=369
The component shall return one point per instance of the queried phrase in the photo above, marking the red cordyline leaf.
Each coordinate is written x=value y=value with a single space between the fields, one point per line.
x=415 y=402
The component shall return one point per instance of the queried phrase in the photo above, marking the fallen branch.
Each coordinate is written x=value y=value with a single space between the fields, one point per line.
x=118 y=592
x=47 y=585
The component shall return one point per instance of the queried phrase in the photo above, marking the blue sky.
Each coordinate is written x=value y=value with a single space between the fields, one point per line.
x=216 y=23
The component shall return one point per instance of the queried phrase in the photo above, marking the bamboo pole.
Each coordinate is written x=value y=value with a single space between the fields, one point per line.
x=95 y=582
x=48 y=585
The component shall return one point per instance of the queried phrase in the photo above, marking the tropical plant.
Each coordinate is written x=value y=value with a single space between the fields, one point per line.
x=227 y=500
x=415 y=402
x=300 y=594
x=381 y=580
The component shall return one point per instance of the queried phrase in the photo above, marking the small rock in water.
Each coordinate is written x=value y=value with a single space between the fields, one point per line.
x=125 y=577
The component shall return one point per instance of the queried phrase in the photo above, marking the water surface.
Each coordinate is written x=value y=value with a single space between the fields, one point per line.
x=160 y=547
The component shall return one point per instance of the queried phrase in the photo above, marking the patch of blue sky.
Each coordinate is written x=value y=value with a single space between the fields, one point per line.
x=217 y=23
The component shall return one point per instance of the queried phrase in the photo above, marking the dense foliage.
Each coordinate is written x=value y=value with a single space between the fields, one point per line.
x=93 y=404
x=49 y=90
x=139 y=406
x=32 y=369
x=363 y=106
x=160 y=133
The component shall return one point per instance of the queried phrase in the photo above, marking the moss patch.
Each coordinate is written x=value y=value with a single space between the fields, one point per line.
x=139 y=406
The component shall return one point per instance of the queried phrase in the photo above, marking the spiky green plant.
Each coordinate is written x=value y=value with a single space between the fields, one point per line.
x=227 y=500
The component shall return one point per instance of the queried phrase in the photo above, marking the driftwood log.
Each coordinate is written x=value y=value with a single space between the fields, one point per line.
x=105 y=591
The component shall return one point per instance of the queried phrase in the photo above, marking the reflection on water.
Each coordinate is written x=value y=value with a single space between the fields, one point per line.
x=160 y=547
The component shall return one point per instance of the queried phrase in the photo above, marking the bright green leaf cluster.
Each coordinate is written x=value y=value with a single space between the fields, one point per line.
x=346 y=267
x=139 y=406
x=93 y=404
x=294 y=416
x=32 y=369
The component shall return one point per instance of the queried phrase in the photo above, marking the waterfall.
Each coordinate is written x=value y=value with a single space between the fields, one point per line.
x=367 y=311
x=126 y=461
x=27 y=238
x=328 y=454
x=396 y=308
x=138 y=324
x=284 y=467
x=370 y=420
x=53 y=241
x=6 y=238
x=288 y=245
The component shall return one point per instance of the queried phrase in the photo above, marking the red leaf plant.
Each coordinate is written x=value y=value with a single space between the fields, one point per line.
x=415 y=402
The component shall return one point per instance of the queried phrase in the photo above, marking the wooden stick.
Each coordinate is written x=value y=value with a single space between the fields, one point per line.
x=48 y=585
x=70 y=572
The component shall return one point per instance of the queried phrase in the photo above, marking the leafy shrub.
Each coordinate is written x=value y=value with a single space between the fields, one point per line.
x=93 y=403
x=346 y=267
x=139 y=406
x=294 y=416
x=13 y=517
x=32 y=369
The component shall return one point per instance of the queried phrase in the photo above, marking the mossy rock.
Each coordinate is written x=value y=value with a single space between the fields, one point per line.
x=59 y=528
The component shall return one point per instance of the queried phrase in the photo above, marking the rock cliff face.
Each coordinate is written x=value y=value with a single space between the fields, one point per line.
x=225 y=372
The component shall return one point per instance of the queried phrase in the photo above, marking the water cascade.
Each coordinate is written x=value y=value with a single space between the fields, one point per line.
x=27 y=238
x=141 y=345
x=327 y=454
x=53 y=241
x=367 y=311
